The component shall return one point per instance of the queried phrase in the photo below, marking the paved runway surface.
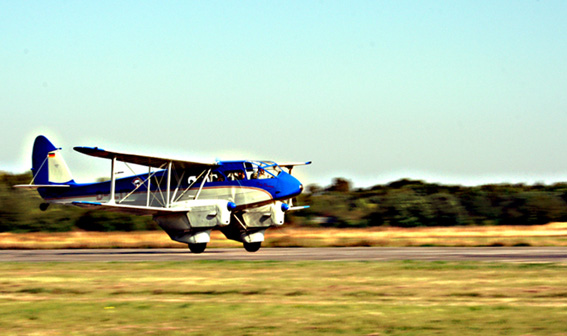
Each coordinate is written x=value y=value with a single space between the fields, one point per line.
x=499 y=254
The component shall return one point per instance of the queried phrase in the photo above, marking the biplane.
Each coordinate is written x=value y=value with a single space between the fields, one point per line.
x=188 y=199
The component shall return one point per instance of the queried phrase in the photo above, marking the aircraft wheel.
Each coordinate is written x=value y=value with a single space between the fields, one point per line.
x=43 y=206
x=252 y=247
x=197 y=248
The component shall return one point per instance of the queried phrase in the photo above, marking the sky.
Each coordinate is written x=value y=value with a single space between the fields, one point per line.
x=460 y=92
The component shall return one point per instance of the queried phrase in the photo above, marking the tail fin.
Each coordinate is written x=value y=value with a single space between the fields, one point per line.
x=48 y=166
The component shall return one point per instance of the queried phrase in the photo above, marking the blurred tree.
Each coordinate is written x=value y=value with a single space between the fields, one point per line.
x=406 y=203
x=340 y=185
x=314 y=189
x=540 y=207
x=403 y=208
x=447 y=210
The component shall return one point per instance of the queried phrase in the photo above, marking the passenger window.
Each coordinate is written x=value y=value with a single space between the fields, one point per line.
x=235 y=175
x=216 y=177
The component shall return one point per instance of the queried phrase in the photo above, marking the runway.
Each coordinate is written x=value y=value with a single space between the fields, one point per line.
x=489 y=254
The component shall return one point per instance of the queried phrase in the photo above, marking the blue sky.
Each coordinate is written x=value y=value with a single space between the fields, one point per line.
x=462 y=92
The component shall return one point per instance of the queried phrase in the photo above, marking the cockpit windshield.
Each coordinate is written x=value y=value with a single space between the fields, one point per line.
x=262 y=169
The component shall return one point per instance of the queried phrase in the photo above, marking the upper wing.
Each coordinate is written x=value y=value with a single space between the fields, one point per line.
x=144 y=160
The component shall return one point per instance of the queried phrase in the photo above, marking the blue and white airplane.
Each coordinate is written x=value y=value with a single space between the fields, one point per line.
x=187 y=199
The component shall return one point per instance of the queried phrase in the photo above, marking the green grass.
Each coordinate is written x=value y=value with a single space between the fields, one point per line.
x=282 y=298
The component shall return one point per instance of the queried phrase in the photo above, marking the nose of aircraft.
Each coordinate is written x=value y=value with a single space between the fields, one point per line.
x=288 y=186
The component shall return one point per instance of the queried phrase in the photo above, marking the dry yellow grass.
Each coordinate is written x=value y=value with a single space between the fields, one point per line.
x=553 y=234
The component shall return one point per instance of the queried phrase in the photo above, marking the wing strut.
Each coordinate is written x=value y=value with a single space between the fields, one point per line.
x=149 y=186
x=179 y=180
x=168 y=196
x=148 y=180
x=203 y=183
x=112 y=181
x=190 y=186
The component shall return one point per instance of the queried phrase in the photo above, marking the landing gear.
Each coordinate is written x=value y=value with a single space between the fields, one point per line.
x=197 y=248
x=252 y=247
x=43 y=206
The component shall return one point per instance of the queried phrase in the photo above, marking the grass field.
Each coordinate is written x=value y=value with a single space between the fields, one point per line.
x=283 y=298
x=554 y=234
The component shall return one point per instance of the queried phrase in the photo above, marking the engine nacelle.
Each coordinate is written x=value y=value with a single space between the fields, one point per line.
x=266 y=216
x=193 y=224
x=206 y=213
x=278 y=212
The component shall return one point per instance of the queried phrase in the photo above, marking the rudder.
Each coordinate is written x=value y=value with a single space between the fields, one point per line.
x=48 y=166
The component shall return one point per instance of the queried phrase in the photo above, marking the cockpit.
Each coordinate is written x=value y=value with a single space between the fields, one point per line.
x=256 y=170
x=245 y=170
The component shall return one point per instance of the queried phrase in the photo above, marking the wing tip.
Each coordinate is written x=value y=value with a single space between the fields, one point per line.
x=86 y=203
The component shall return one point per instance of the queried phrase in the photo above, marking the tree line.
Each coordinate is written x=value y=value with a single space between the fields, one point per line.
x=402 y=203
x=414 y=203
